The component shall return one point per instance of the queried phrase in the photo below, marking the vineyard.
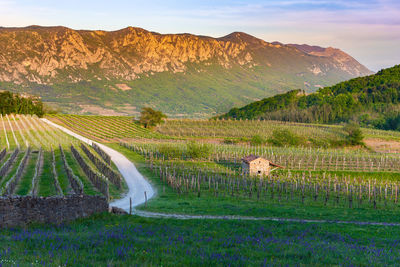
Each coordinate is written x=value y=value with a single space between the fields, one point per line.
x=339 y=177
x=104 y=128
x=293 y=158
x=197 y=174
x=325 y=177
x=40 y=160
x=248 y=128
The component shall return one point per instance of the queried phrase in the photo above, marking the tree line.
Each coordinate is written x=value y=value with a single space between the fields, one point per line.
x=372 y=101
x=17 y=104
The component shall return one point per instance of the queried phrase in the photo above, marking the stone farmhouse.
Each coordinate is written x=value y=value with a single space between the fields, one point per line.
x=255 y=165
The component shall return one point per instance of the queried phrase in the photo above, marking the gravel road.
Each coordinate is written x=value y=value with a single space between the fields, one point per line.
x=137 y=184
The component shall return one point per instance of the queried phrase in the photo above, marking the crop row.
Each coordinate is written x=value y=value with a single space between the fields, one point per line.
x=97 y=179
x=294 y=159
x=26 y=131
x=55 y=175
x=103 y=168
x=249 y=128
x=74 y=181
x=104 y=128
x=9 y=162
x=36 y=176
x=10 y=186
x=281 y=187
x=103 y=155
x=3 y=153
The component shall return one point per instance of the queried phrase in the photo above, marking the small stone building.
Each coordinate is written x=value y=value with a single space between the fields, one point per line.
x=255 y=165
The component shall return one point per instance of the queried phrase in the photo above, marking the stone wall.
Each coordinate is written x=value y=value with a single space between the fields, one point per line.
x=20 y=211
x=259 y=167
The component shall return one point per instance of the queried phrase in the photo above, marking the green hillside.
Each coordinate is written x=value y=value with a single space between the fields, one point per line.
x=372 y=100
x=214 y=90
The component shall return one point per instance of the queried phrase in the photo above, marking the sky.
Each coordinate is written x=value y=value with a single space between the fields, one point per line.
x=369 y=30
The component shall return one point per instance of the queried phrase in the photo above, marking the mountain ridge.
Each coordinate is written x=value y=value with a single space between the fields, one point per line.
x=132 y=64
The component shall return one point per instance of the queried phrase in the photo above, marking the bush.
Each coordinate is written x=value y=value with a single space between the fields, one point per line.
x=257 y=140
x=354 y=134
x=285 y=138
x=320 y=142
x=196 y=151
x=230 y=141
x=170 y=151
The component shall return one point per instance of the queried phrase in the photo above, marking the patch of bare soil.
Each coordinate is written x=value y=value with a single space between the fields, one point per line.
x=100 y=111
x=129 y=109
x=383 y=146
x=123 y=86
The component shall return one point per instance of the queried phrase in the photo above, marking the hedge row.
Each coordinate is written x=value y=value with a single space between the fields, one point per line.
x=9 y=162
x=102 y=154
x=103 y=168
x=10 y=186
x=55 y=175
x=38 y=168
x=98 y=180
x=74 y=181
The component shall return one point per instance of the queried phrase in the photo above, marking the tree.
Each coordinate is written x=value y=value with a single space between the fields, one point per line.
x=150 y=117
x=197 y=151
x=14 y=103
x=285 y=137
x=354 y=134
x=257 y=140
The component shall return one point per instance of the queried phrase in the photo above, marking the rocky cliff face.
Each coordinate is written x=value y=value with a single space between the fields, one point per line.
x=342 y=60
x=48 y=59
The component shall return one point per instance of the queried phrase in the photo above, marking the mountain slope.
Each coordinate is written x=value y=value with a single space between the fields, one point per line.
x=96 y=71
x=372 y=100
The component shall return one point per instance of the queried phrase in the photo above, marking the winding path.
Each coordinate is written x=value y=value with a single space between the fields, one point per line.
x=137 y=185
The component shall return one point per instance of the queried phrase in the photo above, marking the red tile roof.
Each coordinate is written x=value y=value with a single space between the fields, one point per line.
x=250 y=158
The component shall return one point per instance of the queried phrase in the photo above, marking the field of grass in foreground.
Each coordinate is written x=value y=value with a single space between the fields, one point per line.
x=109 y=240
x=168 y=201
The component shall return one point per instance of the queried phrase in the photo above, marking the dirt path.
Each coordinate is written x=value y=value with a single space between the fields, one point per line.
x=383 y=146
x=137 y=184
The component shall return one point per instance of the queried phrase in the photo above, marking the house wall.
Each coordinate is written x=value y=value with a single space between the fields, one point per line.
x=259 y=167
x=245 y=168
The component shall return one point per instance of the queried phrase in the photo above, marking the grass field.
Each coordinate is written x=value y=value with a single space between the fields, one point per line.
x=129 y=240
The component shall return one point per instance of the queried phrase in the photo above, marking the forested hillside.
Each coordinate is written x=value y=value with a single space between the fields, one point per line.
x=15 y=103
x=372 y=100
